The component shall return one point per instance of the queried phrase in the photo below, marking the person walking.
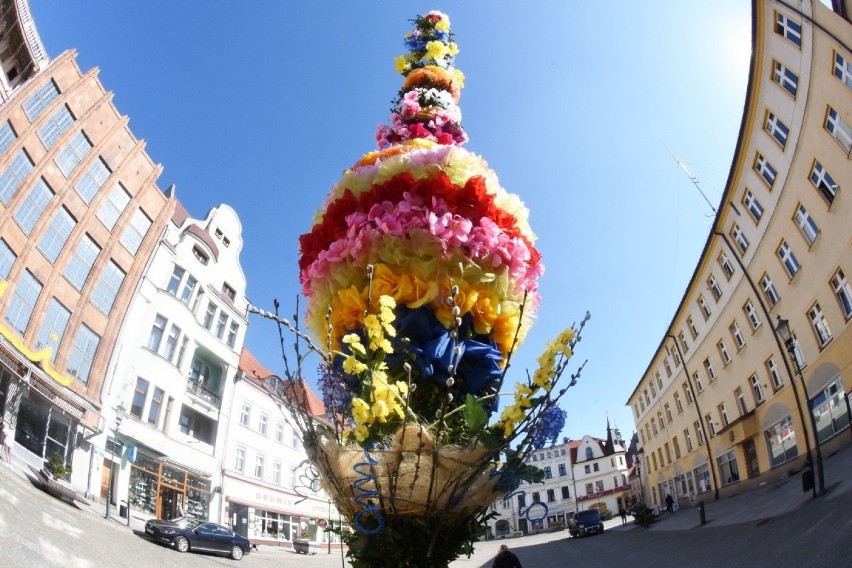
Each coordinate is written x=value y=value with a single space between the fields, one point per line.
x=506 y=559
x=669 y=503
x=623 y=514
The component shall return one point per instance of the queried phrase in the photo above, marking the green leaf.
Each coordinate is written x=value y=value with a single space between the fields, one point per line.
x=474 y=414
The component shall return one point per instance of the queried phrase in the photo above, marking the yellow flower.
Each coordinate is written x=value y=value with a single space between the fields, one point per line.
x=454 y=48
x=354 y=343
x=353 y=366
x=401 y=63
x=542 y=378
x=566 y=336
x=380 y=410
x=459 y=78
x=436 y=49
x=443 y=25
x=361 y=412
x=361 y=432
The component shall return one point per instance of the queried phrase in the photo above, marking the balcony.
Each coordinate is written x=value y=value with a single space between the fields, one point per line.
x=197 y=389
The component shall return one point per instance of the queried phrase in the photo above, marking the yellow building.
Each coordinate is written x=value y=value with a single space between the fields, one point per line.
x=724 y=404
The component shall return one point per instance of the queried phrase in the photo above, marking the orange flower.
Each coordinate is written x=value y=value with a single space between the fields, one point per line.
x=432 y=76
x=348 y=307
x=484 y=312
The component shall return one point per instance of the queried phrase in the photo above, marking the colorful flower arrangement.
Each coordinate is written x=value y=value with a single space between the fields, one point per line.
x=421 y=277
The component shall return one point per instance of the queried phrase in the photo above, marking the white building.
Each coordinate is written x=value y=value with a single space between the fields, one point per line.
x=600 y=470
x=269 y=494
x=167 y=406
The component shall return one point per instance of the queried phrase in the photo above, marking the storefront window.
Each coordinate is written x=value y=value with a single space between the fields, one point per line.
x=781 y=442
x=173 y=476
x=728 y=470
x=197 y=497
x=143 y=489
x=829 y=408
x=702 y=478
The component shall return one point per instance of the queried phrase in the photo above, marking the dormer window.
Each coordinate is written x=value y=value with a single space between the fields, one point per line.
x=200 y=255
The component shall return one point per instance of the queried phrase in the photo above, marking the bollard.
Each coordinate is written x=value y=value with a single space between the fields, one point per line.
x=701 y=513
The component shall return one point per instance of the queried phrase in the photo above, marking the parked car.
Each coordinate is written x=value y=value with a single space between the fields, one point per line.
x=585 y=523
x=193 y=535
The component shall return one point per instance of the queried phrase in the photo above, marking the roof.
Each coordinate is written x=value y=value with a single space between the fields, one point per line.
x=302 y=392
x=180 y=215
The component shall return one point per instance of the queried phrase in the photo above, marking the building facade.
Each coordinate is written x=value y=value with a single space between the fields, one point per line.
x=600 y=473
x=80 y=214
x=728 y=401
x=174 y=376
x=270 y=495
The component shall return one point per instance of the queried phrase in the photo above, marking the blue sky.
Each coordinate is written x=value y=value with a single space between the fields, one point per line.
x=262 y=105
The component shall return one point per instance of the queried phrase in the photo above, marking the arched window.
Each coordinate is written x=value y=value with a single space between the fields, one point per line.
x=589 y=454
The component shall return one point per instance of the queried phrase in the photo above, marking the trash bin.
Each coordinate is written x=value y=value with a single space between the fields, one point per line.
x=807 y=479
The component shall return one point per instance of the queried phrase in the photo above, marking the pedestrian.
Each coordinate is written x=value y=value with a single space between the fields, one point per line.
x=669 y=503
x=623 y=514
x=6 y=438
x=506 y=559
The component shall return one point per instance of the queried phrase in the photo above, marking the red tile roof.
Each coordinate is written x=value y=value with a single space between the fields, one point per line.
x=302 y=391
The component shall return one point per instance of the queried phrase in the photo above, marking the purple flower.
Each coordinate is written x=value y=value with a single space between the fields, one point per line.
x=548 y=426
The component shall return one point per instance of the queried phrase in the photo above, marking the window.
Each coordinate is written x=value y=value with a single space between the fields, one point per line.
x=113 y=206
x=688 y=438
x=240 y=459
x=699 y=386
x=726 y=265
x=821 y=179
x=175 y=280
x=806 y=224
x=769 y=290
x=653 y=389
x=819 y=325
x=156 y=405
x=245 y=414
x=788 y=259
x=140 y=393
x=171 y=342
x=705 y=309
x=842 y=291
x=772 y=369
x=157 y=332
x=683 y=344
x=10 y=180
x=107 y=287
x=55 y=126
x=765 y=170
x=789 y=29
x=589 y=454
x=209 y=315
x=135 y=231
x=83 y=353
x=188 y=289
x=676 y=358
x=228 y=291
x=182 y=351
x=668 y=368
x=7 y=137
x=562 y=470
x=92 y=180
x=81 y=262
x=232 y=333
x=784 y=77
x=739 y=238
x=263 y=424
x=699 y=433
x=53 y=327
x=566 y=494
x=728 y=470
x=756 y=389
x=33 y=206
x=220 y=325
x=708 y=366
x=843 y=69
x=668 y=412
x=548 y=474
x=777 y=129
x=839 y=128
x=829 y=408
x=781 y=442
x=276 y=472
x=687 y=393
x=690 y=323
x=259 y=462
x=751 y=314
x=73 y=153
x=7 y=259
x=40 y=100
x=754 y=207
x=279 y=432
x=741 y=403
x=200 y=255
x=798 y=356
x=713 y=286
x=57 y=234
x=709 y=420
x=23 y=302
x=739 y=341
x=678 y=402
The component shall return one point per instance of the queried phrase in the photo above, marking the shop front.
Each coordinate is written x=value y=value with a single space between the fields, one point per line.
x=161 y=488
x=266 y=515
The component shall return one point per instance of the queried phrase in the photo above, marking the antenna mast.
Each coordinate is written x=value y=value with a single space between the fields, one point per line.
x=692 y=178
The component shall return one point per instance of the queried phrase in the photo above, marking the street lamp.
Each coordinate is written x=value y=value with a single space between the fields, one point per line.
x=642 y=490
x=782 y=328
x=119 y=414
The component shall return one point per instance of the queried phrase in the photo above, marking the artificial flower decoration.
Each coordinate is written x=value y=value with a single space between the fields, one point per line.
x=421 y=277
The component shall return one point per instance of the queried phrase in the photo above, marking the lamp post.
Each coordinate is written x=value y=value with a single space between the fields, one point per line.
x=782 y=328
x=642 y=490
x=119 y=414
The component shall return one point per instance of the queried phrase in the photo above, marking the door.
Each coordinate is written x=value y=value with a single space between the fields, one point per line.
x=171 y=502
x=105 y=478
x=239 y=519
x=752 y=465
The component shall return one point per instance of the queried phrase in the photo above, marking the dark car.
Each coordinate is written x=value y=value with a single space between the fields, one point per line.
x=195 y=535
x=585 y=523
